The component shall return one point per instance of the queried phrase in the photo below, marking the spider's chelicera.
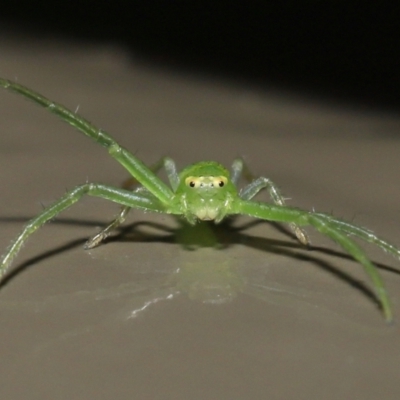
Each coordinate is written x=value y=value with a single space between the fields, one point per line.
x=204 y=191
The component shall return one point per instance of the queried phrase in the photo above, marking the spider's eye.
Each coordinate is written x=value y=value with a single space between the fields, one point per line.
x=192 y=181
x=221 y=181
x=206 y=181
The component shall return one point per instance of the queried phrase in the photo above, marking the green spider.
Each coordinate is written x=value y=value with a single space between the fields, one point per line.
x=203 y=191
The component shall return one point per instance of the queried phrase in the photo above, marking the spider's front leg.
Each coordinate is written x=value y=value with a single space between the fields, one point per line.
x=337 y=230
x=144 y=201
x=255 y=186
x=170 y=168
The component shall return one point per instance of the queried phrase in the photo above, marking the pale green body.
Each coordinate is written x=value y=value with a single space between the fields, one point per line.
x=203 y=191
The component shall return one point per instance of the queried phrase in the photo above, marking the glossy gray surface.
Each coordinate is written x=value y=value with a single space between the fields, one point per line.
x=120 y=321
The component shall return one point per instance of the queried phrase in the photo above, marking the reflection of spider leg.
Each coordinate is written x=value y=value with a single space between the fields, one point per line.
x=129 y=184
x=256 y=185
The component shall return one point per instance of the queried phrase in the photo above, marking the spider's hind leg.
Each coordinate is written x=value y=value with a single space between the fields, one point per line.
x=239 y=168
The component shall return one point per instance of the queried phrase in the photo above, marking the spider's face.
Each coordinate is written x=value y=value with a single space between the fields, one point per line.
x=205 y=196
x=205 y=192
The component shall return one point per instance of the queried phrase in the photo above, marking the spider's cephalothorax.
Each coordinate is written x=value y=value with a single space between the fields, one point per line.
x=205 y=192
x=202 y=191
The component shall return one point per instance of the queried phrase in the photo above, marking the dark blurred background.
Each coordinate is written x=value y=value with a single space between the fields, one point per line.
x=341 y=50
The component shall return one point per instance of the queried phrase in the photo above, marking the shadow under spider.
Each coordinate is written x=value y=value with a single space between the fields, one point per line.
x=225 y=234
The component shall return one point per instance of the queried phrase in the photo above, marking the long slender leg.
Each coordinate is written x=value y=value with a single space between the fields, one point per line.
x=364 y=234
x=99 y=237
x=249 y=191
x=135 y=167
x=145 y=201
x=337 y=230
x=129 y=184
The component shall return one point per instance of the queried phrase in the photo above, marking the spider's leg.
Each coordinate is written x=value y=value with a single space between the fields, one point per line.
x=136 y=168
x=170 y=168
x=99 y=237
x=144 y=201
x=327 y=225
x=172 y=173
x=236 y=170
x=332 y=228
x=252 y=189
x=361 y=233
x=129 y=184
